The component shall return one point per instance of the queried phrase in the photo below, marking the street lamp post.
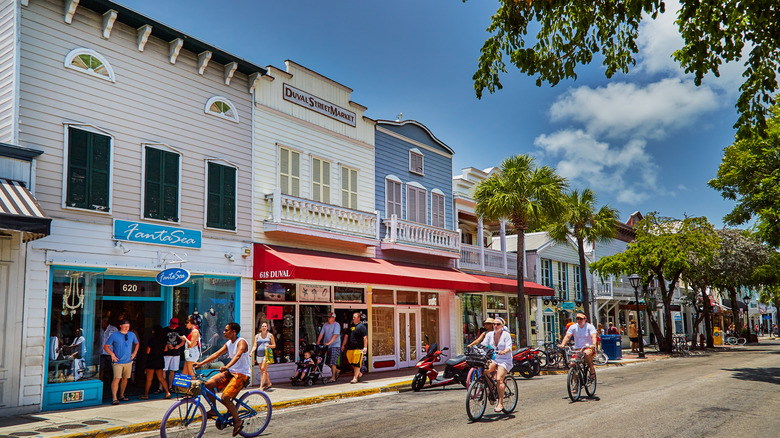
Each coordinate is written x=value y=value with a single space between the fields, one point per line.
x=635 y=280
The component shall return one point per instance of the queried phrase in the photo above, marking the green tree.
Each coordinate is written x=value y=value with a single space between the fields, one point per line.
x=750 y=175
x=768 y=275
x=570 y=33
x=700 y=275
x=524 y=194
x=661 y=252
x=580 y=221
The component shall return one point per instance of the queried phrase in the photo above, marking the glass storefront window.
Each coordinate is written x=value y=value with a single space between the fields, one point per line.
x=381 y=296
x=275 y=291
x=495 y=302
x=407 y=297
x=472 y=317
x=430 y=324
x=382 y=331
x=214 y=300
x=429 y=299
x=74 y=324
x=281 y=323
x=342 y=294
x=310 y=322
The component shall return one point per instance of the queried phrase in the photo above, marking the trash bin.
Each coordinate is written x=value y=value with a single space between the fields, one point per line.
x=717 y=337
x=612 y=346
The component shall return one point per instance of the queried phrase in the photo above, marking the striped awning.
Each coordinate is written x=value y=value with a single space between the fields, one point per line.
x=19 y=211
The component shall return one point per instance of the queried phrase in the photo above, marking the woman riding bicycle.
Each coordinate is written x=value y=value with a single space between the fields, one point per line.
x=584 y=337
x=501 y=343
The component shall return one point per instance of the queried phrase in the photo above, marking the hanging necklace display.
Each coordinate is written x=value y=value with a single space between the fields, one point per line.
x=72 y=296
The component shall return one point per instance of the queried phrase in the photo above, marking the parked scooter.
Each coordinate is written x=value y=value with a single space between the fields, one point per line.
x=526 y=362
x=455 y=369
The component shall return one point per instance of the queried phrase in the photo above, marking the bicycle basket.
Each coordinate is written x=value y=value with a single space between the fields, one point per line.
x=184 y=385
x=478 y=356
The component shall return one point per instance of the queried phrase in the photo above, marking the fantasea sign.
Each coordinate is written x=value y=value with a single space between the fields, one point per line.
x=314 y=103
x=173 y=276
x=156 y=234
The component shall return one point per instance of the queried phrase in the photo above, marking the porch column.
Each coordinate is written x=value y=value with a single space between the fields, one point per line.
x=481 y=239
x=503 y=246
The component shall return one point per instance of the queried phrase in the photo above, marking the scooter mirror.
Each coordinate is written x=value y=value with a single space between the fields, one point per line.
x=445 y=348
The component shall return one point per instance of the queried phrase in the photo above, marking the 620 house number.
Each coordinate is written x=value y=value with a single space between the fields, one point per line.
x=129 y=288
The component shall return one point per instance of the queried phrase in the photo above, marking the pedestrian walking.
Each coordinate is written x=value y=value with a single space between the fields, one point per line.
x=155 y=362
x=331 y=334
x=122 y=346
x=356 y=345
x=633 y=336
x=263 y=351
x=173 y=349
x=191 y=345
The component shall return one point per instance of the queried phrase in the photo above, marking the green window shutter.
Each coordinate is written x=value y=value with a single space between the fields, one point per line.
x=161 y=185
x=221 y=202
x=89 y=170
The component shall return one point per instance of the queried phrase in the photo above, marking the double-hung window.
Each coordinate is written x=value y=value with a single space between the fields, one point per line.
x=415 y=204
x=221 y=197
x=563 y=280
x=547 y=273
x=437 y=210
x=577 y=284
x=349 y=182
x=161 y=184
x=89 y=170
x=320 y=180
x=416 y=162
x=290 y=172
x=393 y=193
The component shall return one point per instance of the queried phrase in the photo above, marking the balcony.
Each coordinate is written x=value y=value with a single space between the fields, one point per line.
x=476 y=258
x=611 y=289
x=403 y=235
x=290 y=214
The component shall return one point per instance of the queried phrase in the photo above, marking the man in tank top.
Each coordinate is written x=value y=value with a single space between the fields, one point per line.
x=234 y=375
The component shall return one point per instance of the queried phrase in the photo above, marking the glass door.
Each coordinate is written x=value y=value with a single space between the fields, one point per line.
x=408 y=337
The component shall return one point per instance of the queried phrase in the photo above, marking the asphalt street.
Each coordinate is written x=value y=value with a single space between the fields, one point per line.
x=724 y=394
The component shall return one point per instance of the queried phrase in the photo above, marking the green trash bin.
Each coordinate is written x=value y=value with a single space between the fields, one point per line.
x=612 y=347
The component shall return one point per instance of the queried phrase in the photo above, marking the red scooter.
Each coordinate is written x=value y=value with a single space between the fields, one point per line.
x=455 y=369
x=526 y=362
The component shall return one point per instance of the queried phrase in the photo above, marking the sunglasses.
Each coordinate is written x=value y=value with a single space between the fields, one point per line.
x=580 y=319
x=497 y=323
x=125 y=336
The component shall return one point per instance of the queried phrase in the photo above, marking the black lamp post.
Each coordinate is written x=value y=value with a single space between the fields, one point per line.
x=635 y=280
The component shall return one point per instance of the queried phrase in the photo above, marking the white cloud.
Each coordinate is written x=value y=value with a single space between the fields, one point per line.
x=625 y=109
x=627 y=173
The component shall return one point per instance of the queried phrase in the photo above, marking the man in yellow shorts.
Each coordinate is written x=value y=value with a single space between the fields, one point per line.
x=356 y=344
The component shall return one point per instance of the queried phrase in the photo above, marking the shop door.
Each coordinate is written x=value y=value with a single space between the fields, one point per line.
x=10 y=326
x=408 y=337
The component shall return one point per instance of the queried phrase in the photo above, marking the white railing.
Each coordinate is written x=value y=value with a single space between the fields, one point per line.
x=288 y=209
x=613 y=289
x=487 y=260
x=413 y=233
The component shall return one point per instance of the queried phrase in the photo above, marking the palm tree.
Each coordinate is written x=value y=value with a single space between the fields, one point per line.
x=581 y=222
x=525 y=194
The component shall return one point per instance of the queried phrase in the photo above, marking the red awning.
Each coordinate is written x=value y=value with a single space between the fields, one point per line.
x=280 y=263
x=510 y=285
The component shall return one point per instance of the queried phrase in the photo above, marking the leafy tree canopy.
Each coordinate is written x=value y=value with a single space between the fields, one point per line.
x=750 y=175
x=570 y=32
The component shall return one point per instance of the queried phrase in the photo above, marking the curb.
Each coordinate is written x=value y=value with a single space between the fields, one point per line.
x=150 y=426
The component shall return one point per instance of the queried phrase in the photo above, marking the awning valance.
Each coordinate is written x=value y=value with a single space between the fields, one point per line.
x=281 y=263
x=509 y=285
x=19 y=211
x=740 y=304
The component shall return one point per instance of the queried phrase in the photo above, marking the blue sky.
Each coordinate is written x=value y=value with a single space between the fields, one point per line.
x=647 y=141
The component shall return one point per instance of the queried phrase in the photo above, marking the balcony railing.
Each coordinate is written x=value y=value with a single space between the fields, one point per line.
x=487 y=260
x=399 y=231
x=613 y=289
x=308 y=214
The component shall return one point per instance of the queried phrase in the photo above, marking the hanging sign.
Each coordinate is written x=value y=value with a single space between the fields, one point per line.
x=173 y=276
x=157 y=234
x=568 y=305
x=274 y=312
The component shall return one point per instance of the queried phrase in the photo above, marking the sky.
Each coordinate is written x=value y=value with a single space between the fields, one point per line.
x=646 y=141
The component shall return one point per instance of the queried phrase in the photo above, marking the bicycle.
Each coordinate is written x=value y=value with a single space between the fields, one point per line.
x=578 y=376
x=552 y=356
x=483 y=388
x=735 y=339
x=680 y=343
x=599 y=357
x=187 y=417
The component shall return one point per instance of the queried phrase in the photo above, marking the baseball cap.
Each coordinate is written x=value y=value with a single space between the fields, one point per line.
x=174 y=321
x=331 y=315
x=488 y=321
x=124 y=321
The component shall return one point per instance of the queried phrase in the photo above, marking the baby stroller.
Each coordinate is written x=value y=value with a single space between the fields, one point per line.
x=313 y=369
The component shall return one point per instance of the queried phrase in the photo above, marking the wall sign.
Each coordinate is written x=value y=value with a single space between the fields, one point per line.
x=173 y=276
x=311 y=292
x=314 y=103
x=568 y=305
x=73 y=396
x=274 y=312
x=121 y=287
x=156 y=234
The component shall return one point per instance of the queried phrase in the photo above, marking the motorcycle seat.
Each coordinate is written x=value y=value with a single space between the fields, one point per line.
x=519 y=350
x=455 y=360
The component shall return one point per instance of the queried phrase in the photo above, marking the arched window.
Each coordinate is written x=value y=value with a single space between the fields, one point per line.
x=91 y=63
x=221 y=107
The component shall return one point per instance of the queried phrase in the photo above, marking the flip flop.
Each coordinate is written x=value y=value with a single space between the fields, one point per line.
x=124 y=399
x=167 y=397
x=143 y=397
x=237 y=428
x=115 y=402
x=353 y=381
x=497 y=409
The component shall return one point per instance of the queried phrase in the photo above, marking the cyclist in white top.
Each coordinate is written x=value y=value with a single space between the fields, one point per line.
x=584 y=335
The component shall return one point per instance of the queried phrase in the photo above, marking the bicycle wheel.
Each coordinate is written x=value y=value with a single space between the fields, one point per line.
x=573 y=384
x=510 y=394
x=542 y=359
x=185 y=418
x=731 y=340
x=600 y=358
x=590 y=385
x=476 y=400
x=254 y=407
x=741 y=341
x=418 y=382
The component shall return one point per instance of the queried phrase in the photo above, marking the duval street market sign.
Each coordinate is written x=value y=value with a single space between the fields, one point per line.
x=156 y=234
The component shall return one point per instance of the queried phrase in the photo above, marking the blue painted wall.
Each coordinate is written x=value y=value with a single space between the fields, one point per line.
x=392 y=158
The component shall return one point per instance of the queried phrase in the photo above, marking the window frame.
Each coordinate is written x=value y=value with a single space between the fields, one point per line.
x=394 y=180
x=413 y=152
x=84 y=51
x=434 y=194
x=225 y=163
x=356 y=192
x=65 y=164
x=563 y=279
x=165 y=148
x=577 y=284
x=226 y=101
x=291 y=151
x=420 y=189
x=322 y=186
x=546 y=272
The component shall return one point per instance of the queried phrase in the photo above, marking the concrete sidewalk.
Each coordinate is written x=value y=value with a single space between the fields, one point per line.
x=145 y=415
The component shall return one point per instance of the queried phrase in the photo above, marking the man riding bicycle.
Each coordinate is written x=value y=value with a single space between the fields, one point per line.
x=584 y=335
x=234 y=375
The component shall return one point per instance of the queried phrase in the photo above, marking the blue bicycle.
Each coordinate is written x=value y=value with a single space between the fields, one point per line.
x=187 y=417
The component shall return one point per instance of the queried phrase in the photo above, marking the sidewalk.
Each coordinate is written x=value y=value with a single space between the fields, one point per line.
x=145 y=415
